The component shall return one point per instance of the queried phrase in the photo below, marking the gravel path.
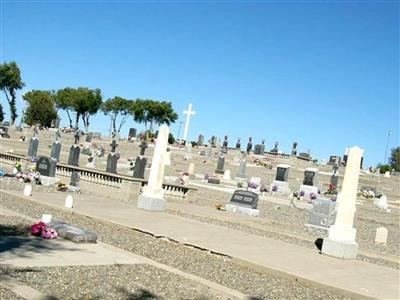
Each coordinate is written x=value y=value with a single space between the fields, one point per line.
x=6 y=294
x=215 y=268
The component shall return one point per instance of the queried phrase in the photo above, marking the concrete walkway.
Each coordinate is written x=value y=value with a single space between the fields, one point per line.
x=354 y=277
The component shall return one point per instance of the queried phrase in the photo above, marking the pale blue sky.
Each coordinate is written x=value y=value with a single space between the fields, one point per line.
x=324 y=74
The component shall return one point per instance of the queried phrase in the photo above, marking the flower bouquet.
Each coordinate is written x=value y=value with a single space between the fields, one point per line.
x=41 y=229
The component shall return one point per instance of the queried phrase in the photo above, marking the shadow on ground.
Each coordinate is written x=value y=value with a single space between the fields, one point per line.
x=141 y=294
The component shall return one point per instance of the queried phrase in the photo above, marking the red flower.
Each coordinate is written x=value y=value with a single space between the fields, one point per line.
x=37 y=228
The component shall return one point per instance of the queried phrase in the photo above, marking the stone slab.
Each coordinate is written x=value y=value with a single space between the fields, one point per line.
x=344 y=250
x=150 y=203
x=74 y=233
x=48 y=181
x=241 y=210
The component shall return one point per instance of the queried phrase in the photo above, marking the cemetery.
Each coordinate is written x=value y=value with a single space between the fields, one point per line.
x=290 y=201
x=199 y=150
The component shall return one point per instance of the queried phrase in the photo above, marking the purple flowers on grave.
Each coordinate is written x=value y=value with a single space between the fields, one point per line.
x=333 y=198
x=252 y=185
x=313 y=196
x=275 y=188
x=301 y=194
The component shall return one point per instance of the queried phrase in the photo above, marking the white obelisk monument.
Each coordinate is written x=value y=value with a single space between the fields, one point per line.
x=189 y=112
x=341 y=241
x=152 y=197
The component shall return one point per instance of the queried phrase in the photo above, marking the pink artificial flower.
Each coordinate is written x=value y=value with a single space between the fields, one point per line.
x=49 y=233
x=37 y=228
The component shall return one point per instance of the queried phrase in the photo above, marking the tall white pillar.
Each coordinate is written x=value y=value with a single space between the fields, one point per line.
x=341 y=239
x=189 y=112
x=152 y=197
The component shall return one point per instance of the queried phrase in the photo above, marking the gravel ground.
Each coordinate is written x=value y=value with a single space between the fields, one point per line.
x=194 y=261
x=6 y=294
x=138 y=281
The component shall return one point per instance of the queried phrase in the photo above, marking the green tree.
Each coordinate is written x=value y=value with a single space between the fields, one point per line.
x=41 y=108
x=10 y=82
x=86 y=103
x=151 y=112
x=64 y=100
x=395 y=159
x=115 y=107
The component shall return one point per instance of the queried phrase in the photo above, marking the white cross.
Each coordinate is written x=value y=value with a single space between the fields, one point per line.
x=188 y=112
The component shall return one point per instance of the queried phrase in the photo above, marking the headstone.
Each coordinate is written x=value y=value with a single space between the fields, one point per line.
x=304 y=154
x=225 y=144
x=309 y=176
x=27 y=190
x=249 y=145
x=189 y=112
x=75 y=177
x=242 y=167
x=334 y=180
x=294 y=148
x=244 y=203
x=91 y=161
x=46 y=166
x=227 y=175
x=257 y=149
x=74 y=233
x=209 y=151
x=213 y=180
x=46 y=218
x=69 y=201
x=262 y=150
x=341 y=240
x=140 y=167
x=381 y=236
x=322 y=214
x=213 y=141
x=132 y=133
x=275 y=149
x=33 y=146
x=334 y=160
x=200 y=140
x=238 y=144
x=191 y=169
x=387 y=174
x=143 y=146
x=74 y=153
x=4 y=132
x=220 y=165
x=89 y=137
x=112 y=160
x=152 y=197
x=188 y=154
x=308 y=188
x=281 y=185
x=56 y=147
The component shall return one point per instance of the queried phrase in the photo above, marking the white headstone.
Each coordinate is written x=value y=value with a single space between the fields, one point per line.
x=27 y=190
x=189 y=112
x=387 y=174
x=46 y=218
x=342 y=235
x=381 y=202
x=69 y=201
x=191 y=169
x=152 y=197
x=381 y=236
x=227 y=175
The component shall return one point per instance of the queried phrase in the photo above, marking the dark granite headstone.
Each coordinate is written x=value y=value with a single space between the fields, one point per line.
x=282 y=174
x=334 y=160
x=213 y=180
x=304 y=154
x=75 y=177
x=249 y=145
x=74 y=153
x=112 y=160
x=143 y=146
x=200 y=141
x=294 y=148
x=140 y=167
x=238 y=145
x=55 y=151
x=46 y=166
x=33 y=147
x=257 y=149
x=344 y=161
x=245 y=198
x=322 y=213
x=309 y=178
x=213 y=141
x=132 y=133
x=74 y=233
x=220 y=165
x=89 y=137
x=334 y=180
x=4 y=132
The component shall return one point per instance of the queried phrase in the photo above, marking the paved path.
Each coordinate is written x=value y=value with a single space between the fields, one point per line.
x=355 y=277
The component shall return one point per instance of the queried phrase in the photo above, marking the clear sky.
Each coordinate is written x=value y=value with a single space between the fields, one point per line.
x=324 y=74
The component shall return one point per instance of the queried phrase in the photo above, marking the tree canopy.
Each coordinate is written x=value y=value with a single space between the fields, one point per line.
x=151 y=112
x=41 y=108
x=115 y=107
x=83 y=101
x=395 y=159
x=10 y=82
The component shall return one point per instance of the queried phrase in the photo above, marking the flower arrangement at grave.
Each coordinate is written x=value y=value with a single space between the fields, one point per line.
x=219 y=206
x=41 y=229
x=252 y=185
x=331 y=190
x=313 y=196
x=301 y=194
x=62 y=187
x=264 y=189
x=239 y=185
x=274 y=188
